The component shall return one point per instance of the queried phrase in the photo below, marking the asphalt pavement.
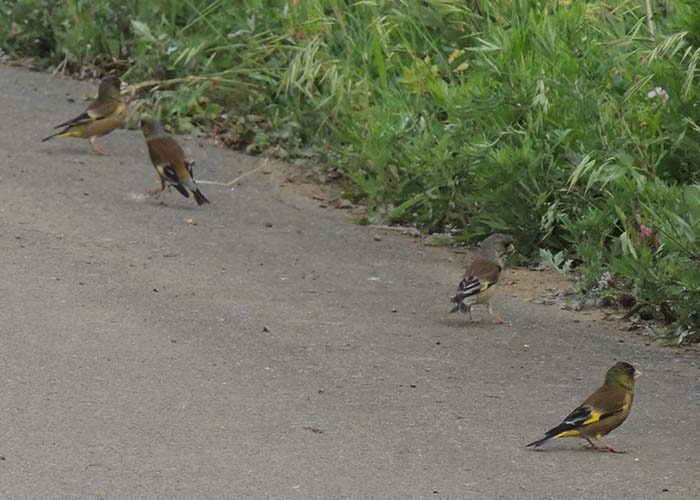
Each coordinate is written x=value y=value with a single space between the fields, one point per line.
x=262 y=347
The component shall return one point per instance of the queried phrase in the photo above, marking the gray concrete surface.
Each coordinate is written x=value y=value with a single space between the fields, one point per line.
x=257 y=354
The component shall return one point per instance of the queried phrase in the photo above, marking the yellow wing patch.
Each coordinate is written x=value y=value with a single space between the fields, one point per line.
x=595 y=416
x=485 y=285
x=572 y=433
x=69 y=133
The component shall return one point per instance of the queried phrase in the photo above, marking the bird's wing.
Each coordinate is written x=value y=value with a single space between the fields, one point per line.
x=484 y=270
x=481 y=275
x=166 y=152
x=95 y=111
x=102 y=109
x=169 y=160
x=607 y=402
x=603 y=404
x=78 y=120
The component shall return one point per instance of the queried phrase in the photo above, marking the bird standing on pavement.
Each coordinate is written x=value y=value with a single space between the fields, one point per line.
x=601 y=412
x=480 y=279
x=103 y=115
x=169 y=160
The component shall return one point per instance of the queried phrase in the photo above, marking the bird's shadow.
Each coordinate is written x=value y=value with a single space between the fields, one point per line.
x=580 y=449
x=145 y=199
x=69 y=150
x=466 y=324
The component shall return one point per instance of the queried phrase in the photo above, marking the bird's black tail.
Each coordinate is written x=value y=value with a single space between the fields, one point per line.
x=465 y=289
x=182 y=190
x=200 y=198
x=57 y=134
x=468 y=287
x=539 y=442
x=461 y=306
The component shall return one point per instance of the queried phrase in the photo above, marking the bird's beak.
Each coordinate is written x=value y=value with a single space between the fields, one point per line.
x=637 y=374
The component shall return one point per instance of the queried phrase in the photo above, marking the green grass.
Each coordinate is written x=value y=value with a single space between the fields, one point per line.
x=533 y=118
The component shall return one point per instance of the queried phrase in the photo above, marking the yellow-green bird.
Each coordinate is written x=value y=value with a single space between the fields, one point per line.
x=103 y=115
x=481 y=277
x=169 y=160
x=601 y=412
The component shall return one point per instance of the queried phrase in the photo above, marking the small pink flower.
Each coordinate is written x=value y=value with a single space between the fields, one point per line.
x=605 y=279
x=645 y=232
x=648 y=237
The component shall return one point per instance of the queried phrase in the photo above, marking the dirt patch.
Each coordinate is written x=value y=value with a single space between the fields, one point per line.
x=545 y=287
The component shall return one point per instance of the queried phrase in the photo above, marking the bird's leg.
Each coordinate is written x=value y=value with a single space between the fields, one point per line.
x=499 y=320
x=609 y=448
x=469 y=311
x=97 y=148
x=156 y=191
x=593 y=446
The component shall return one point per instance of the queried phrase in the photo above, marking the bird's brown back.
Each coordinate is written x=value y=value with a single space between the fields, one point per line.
x=484 y=269
x=166 y=151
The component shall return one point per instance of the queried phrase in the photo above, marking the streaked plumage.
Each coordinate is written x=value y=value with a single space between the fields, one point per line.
x=103 y=115
x=601 y=412
x=481 y=277
x=169 y=160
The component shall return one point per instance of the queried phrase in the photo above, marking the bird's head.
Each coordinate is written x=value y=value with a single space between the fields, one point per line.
x=110 y=88
x=150 y=126
x=498 y=244
x=622 y=374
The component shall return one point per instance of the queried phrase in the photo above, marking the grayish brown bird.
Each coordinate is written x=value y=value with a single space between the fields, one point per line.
x=481 y=277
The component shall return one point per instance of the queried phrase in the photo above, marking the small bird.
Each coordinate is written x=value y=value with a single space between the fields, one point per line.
x=92 y=130
x=480 y=279
x=105 y=109
x=601 y=412
x=169 y=160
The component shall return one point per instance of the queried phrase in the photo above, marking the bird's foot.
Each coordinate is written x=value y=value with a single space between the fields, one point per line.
x=155 y=192
x=593 y=446
x=99 y=150
x=613 y=450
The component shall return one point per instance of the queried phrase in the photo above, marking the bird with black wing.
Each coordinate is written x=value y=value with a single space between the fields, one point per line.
x=170 y=162
x=481 y=277
x=601 y=412
x=101 y=117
